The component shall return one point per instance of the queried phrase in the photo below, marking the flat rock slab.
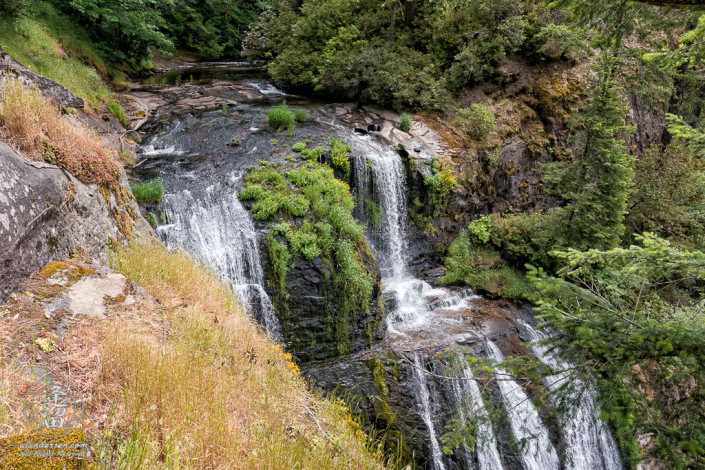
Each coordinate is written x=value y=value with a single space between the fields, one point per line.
x=428 y=137
x=88 y=289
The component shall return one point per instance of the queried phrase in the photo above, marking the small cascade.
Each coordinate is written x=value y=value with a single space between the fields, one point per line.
x=588 y=442
x=455 y=300
x=218 y=230
x=467 y=393
x=378 y=179
x=537 y=450
x=436 y=454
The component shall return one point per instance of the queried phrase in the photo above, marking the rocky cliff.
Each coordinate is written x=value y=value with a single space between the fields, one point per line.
x=46 y=214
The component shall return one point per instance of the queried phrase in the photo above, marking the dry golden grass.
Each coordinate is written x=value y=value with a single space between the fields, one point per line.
x=190 y=382
x=35 y=128
x=206 y=389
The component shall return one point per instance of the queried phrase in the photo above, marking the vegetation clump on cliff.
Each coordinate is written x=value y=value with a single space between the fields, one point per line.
x=35 y=127
x=328 y=229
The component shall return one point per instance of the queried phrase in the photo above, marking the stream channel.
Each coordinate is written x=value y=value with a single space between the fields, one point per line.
x=425 y=328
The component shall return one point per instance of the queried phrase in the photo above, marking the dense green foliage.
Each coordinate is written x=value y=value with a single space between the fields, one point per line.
x=404 y=121
x=210 y=28
x=328 y=229
x=483 y=269
x=343 y=46
x=634 y=319
x=148 y=191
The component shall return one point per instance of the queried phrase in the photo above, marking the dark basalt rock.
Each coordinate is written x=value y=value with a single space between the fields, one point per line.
x=45 y=213
x=312 y=321
x=49 y=88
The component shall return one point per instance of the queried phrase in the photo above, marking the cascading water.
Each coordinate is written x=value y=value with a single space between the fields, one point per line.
x=588 y=443
x=436 y=455
x=218 y=230
x=468 y=397
x=537 y=450
x=378 y=178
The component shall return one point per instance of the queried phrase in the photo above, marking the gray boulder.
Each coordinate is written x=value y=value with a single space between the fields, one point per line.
x=46 y=213
x=49 y=88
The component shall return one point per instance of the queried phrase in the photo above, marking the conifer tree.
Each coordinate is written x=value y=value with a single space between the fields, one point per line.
x=597 y=181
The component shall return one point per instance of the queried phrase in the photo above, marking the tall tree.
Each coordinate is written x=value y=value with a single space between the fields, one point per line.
x=596 y=182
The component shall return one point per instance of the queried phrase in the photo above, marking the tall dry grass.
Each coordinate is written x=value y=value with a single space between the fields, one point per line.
x=207 y=389
x=34 y=127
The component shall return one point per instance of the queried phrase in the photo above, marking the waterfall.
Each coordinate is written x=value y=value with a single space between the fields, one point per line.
x=537 y=451
x=588 y=442
x=219 y=231
x=436 y=455
x=378 y=179
x=488 y=457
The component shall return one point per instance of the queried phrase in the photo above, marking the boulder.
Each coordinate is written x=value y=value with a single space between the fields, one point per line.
x=46 y=213
x=49 y=88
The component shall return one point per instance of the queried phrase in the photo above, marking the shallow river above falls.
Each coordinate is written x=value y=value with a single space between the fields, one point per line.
x=193 y=151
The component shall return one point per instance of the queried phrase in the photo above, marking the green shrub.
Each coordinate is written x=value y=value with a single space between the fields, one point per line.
x=148 y=191
x=405 y=122
x=339 y=157
x=477 y=121
x=300 y=115
x=280 y=117
x=483 y=269
x=298 y=147
x=290 y=130
x=479 y=229
x=224 y=110
x=116 y=109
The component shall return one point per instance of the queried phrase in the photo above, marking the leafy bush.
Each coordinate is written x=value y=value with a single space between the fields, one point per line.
x=300 y=115
x=280 y=117
x=479 y=229
x=298 y=147
x=405 y=122
x=13 y=7
x=477 y=120
x=148 y=191
x=312 y=154
x=483 y=269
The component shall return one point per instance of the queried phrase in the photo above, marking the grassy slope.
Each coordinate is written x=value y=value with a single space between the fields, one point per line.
x=191 y=383
x=49 y=44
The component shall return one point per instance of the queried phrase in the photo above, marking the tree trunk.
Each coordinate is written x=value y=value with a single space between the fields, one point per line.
x=391 y=26
x=410 y=10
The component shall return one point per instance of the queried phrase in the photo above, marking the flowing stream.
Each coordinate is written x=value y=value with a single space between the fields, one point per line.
x=422 y=388
x=537 y=451
x=379 y=182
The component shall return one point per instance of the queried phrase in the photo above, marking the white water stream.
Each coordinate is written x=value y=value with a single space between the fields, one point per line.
x=218 y=230
x=537 y=451
x=488 y=457
x=436 y=455
x=588 y=442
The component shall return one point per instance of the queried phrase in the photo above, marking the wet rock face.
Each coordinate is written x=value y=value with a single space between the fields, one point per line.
x=311 y=318
x=49 y=88
x=45 y=213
